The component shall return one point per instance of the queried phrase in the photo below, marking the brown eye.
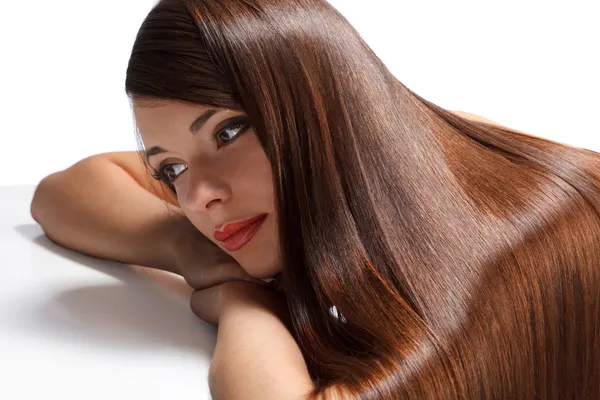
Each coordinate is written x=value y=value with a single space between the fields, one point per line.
x=169 y=172
x=231 y=131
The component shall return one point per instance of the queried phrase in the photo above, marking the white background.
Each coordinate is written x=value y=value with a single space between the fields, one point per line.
x=530 y=65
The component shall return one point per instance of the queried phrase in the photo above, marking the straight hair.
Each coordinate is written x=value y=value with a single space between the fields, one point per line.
x=461 y=258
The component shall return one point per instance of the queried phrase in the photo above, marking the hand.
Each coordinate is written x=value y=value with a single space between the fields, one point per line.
x=211 y=303
x=201 y=262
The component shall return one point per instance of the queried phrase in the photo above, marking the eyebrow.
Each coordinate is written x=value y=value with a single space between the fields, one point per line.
x=201 y=120
x=194 y=129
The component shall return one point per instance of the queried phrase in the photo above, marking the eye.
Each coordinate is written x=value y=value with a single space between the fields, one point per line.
x=231 y=131
x=169 y=172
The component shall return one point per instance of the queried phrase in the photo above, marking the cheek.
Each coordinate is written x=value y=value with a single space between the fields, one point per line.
x=201 y=222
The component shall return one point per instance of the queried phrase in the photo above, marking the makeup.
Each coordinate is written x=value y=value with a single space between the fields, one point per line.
x=242 y=235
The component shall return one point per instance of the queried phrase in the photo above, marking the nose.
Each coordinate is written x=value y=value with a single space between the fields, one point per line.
x=205 y=189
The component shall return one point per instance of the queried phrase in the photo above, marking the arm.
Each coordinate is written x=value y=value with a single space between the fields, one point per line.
x=108 y=206
x=264 y=362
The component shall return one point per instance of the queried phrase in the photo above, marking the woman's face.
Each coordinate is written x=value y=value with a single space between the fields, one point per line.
x=221 y=175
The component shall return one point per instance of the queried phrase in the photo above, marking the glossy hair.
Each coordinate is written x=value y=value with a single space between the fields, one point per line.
x=462 y=256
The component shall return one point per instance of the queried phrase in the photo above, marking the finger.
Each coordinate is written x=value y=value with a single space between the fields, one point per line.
x=260 y=282
x=221 y=273
x=215 y=274
x=239 y=273
x=242 y=276
x=204 y=304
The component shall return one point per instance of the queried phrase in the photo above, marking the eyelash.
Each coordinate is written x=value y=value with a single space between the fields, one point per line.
x=242 y=122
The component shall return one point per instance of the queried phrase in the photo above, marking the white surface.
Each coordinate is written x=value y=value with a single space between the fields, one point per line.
x=77 y=327
x=531 y=65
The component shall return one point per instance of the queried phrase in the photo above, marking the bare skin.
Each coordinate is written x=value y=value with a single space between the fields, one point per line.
x=220 y=172
x=84 y=208
x=109 y=206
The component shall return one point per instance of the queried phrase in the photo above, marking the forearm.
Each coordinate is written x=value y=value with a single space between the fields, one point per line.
x=256 y=356
x=97 y=208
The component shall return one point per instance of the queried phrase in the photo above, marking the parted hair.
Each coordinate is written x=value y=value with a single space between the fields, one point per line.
x=462 y=258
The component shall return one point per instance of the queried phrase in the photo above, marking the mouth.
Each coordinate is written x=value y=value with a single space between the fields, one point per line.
x=227 y=230
x=234 y=237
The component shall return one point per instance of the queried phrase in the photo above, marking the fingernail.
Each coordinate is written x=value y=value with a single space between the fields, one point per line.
x=261 y=282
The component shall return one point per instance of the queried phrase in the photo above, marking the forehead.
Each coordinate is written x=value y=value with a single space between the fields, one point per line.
x=155 y=116
x=164 y=112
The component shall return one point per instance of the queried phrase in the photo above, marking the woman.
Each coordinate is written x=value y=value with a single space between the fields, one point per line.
x=424 y=255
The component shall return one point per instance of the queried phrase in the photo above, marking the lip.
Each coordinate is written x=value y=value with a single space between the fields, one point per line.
x=244 y=231
x=231 y=228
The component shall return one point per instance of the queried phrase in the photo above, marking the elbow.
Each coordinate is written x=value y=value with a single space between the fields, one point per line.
x=40 y=203
x=41 y=209
x=47 y=194
x=35 y=208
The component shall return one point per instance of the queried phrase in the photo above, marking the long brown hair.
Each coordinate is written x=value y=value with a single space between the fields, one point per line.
x=425 y=255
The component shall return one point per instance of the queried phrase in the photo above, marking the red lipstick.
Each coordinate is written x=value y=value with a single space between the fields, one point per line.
x=237 y=234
